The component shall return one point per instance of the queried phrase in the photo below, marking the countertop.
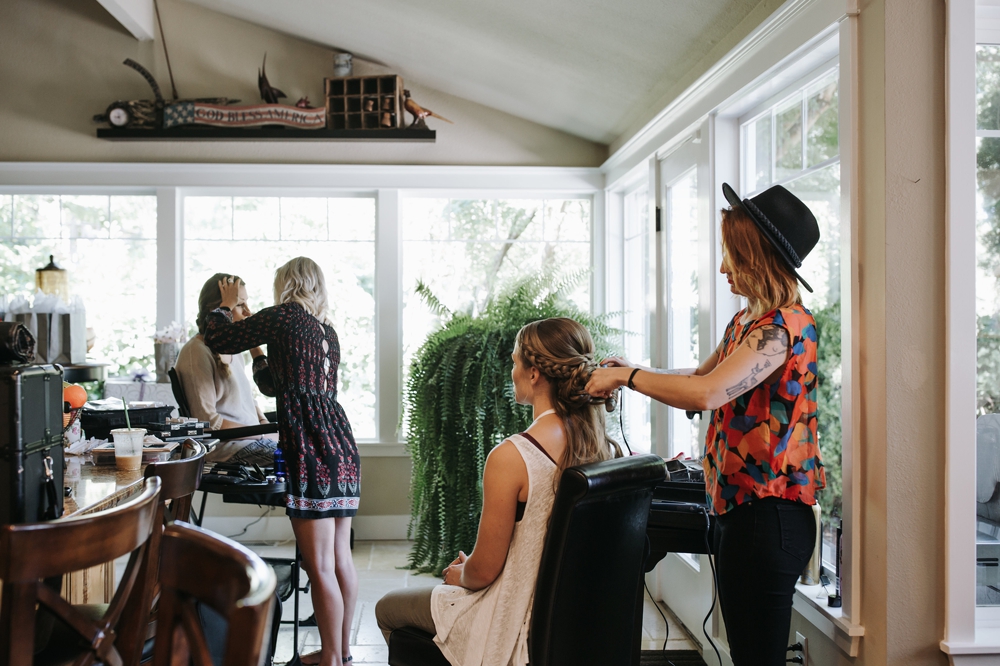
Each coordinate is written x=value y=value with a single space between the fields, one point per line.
x=97 y=487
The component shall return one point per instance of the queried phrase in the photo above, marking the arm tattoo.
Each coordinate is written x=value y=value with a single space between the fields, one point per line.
x=747 y=382
x=772 y=341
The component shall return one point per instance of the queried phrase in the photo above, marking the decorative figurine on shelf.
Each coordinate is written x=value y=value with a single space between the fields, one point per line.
x=419 y=113
x=149 y=113
x=343 y=65
x=267 y=92
x=303 y=103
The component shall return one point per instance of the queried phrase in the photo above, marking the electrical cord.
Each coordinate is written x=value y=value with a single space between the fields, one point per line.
x=621 y=422
x=249 y=525
x=715 y=589
x=658 y=610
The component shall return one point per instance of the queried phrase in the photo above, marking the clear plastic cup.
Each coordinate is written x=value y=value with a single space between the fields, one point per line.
x=128 y=448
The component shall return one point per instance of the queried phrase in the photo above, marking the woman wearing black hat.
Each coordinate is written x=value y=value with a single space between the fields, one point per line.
x=762 y=461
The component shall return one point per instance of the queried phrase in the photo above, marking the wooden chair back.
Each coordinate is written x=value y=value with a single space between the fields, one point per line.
x=197 y=566
x=32 y=552
x=179 y=479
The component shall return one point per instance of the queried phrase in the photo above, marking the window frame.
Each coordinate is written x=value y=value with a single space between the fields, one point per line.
x=832 y=45
x=971 y=632
x=172 y=183
x=771 y=107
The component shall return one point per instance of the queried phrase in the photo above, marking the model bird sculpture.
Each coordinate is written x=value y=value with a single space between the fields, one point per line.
x=268 y=93
x=418 y=112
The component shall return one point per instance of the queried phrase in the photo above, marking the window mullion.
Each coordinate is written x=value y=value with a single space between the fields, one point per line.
x=169 y=256
x=388 y=315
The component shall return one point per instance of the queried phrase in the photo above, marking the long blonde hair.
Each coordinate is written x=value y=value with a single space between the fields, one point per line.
x=563 y=351
x=301 y=281
x=758 y=271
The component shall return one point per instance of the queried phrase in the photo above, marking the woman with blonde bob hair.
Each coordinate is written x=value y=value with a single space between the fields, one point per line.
x=480 y=614
x=324 y=469
x=762 y=461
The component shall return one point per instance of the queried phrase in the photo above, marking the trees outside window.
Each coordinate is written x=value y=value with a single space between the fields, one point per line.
x=253 y=236
x=795 y=143
x=108 y=246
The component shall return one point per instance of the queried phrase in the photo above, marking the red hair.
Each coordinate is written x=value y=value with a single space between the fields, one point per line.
x=758 y=271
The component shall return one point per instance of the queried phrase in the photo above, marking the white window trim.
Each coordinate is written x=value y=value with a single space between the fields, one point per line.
x=765 y=55
x=386 y=184
x=970 y=635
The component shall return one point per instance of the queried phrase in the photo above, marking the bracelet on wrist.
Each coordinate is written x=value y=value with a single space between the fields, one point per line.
x=632 y=377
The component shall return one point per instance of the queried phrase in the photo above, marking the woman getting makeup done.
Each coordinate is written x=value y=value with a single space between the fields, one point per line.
x=762 y=460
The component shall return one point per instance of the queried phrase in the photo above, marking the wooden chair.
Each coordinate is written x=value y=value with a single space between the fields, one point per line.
x=179 y=480
x=32 y=552
x=198 y=566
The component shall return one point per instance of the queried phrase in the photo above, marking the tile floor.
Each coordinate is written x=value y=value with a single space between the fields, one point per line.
x=378 y=565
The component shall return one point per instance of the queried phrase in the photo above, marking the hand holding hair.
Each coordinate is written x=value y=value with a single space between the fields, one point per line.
x=229 y=289
x=605 y=381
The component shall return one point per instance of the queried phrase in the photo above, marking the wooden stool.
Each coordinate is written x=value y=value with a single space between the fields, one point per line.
x=32 y=552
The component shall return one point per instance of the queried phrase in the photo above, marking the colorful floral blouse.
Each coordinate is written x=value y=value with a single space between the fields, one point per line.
x=763 y=443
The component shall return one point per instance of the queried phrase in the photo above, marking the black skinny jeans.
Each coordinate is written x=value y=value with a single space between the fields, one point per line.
x=761 y=548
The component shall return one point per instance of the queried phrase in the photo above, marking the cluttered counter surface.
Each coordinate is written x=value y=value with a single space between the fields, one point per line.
x=97 y=487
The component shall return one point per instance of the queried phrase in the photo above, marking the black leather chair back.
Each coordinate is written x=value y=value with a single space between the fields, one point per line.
x=591 y=569
x=590 y=576
x=175 y=385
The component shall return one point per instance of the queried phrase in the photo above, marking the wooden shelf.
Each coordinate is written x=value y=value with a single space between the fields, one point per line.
x=202 y=133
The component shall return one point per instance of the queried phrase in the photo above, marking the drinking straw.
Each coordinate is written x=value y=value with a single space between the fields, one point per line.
x=127 y=422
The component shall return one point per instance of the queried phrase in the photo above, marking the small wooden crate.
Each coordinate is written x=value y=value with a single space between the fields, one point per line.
x=364 y=102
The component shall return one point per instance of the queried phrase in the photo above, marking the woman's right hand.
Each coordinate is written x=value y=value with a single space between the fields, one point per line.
x=229 y=288
x=616 y=362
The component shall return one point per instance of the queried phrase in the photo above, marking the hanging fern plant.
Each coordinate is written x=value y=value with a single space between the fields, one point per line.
x=460 y=404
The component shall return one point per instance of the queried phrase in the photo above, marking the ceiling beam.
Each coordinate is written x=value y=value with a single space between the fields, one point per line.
x=136 y=15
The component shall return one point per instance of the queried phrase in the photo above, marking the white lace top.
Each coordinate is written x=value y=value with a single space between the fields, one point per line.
x=490 y=627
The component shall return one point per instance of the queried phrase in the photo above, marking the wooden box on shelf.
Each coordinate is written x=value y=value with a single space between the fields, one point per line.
x=364 y=102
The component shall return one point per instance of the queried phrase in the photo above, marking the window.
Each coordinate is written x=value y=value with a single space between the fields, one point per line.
x=108 y=246
x=638 y=308
x=775 y=154
x=253 y=236
x=683 y=336
x=987 y=321
x=464 y=250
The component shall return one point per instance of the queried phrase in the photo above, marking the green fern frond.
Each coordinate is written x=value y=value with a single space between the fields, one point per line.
x=460 y=404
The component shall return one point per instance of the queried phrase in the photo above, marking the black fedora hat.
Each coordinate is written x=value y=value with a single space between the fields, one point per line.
x=785 y=221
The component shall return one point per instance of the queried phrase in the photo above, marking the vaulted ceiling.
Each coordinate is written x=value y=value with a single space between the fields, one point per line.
x=587 y=67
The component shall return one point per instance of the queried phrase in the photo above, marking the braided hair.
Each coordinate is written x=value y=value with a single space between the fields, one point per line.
x=563 y=351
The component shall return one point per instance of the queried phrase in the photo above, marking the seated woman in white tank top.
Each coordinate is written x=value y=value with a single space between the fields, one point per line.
x=480 y=615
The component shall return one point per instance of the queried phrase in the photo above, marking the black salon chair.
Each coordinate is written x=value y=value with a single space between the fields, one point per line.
x=590 y=574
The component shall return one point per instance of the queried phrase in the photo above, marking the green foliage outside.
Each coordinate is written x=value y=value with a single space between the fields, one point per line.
x=460 y=402
x=108 y=246
x=828 y=402
x=988 y=229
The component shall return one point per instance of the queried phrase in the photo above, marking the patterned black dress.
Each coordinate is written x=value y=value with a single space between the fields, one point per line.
x=301 y=372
